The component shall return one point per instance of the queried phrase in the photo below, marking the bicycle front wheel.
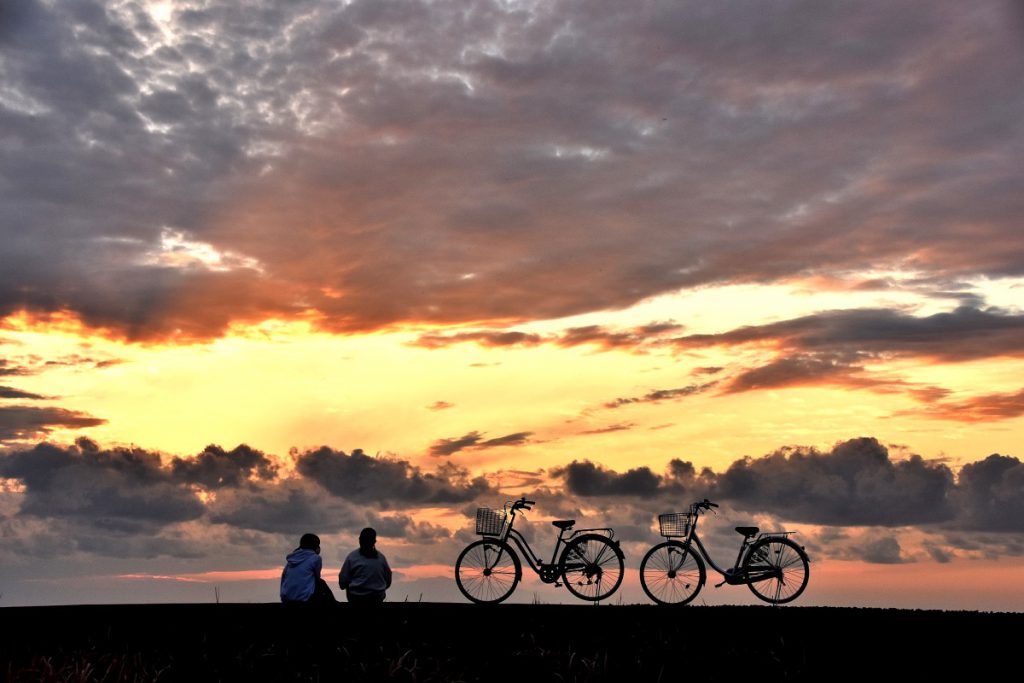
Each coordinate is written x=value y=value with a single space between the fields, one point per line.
x=777 y=569
x=592 y=567
x=487 y=571
x=672 y=574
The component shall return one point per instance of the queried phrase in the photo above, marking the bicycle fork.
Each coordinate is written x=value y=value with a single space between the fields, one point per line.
x=673 y=570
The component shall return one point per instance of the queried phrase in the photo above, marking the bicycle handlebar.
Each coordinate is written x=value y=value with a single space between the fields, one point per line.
x=706 y=504
x=524 y=504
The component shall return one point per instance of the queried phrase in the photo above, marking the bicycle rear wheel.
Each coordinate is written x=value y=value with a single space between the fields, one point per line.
x=591 y=567
x=487 y=571
x=672 y=574
x=780 y=570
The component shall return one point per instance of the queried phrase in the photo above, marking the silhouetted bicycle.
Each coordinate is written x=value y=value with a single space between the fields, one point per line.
x=772 y=565
x=488 y=571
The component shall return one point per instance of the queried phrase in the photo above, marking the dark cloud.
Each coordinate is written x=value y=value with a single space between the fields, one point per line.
x=475 y=440
x=11 y=392
x=618 y=427
x=406 y=528
x=388 y=482
x=659 y=395
x=991 y=494
x=984 y=408
x=587 y=479
x=122 y=490
x=121 y=493
x=287 y=507
x=828 y=369
x=216 y=468
x=9 y=370
x=489 y=339
x=325 y=148
x=454 y=445
x=856 y=483
x=133 y=503
x=882 y=550
x=29 y=422
x=514 y=439
x=517 y=479
x=937 y=553
x=607 y=339
x=834 y=348
x=872 y=545
x=800 y=370
x=962 y=335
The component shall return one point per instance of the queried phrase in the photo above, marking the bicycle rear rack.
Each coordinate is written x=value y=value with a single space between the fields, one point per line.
x=610 y=533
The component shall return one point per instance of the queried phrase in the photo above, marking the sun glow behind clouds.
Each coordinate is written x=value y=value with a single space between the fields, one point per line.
x=176 y=250
x=282 y=384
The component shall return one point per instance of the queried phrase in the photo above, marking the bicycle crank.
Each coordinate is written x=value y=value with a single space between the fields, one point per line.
x=549 y=574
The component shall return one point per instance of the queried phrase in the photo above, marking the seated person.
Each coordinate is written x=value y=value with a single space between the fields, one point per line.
x=300 y=580
x=365 y=575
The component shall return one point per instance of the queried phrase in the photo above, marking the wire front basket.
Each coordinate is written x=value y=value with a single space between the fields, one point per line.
x=675 y=524
x=489 y=522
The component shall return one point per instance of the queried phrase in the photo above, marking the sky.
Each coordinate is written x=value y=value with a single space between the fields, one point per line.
x=273 y=268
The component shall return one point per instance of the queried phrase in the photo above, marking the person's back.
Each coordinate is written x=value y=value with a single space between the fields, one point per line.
x=365 y=576
x=300 y=580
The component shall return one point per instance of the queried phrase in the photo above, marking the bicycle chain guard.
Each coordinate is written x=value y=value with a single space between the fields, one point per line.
x=548 y=573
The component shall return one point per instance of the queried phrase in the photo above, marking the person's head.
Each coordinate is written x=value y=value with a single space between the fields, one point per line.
x=367 y=541
x=310 y=542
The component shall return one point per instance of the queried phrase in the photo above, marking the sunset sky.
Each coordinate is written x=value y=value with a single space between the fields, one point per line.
x=617 y=256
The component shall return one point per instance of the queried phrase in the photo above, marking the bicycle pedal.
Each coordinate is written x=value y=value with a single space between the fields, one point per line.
x=719 y=585
x=557 y=585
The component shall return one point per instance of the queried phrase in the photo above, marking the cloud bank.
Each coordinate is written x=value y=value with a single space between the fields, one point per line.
x=856 y=483
x=374 y=163
x=133 y=503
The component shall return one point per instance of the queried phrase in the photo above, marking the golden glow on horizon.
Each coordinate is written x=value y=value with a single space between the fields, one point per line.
x=282 y=384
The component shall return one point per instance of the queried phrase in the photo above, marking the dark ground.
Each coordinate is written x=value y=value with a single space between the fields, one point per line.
x=453 y=642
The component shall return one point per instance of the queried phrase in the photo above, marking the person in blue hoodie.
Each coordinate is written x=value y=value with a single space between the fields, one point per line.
x=300 y=580
x=365 y=576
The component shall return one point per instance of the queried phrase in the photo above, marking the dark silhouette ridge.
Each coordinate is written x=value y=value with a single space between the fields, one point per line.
x=444 y=642
x=487 y=571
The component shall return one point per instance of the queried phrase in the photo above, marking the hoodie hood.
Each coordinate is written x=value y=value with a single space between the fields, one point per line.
x=299 y=556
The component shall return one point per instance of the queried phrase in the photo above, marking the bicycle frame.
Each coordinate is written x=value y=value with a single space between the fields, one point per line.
x=533 y=559
x=693 y=538
x=733 y=576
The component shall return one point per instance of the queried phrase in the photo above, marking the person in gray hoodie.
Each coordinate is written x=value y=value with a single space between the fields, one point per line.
x=300 y=580
x=365 y=576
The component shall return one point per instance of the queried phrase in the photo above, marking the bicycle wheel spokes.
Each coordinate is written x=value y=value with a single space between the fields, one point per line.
x=487 y=571
x=778 y=570
x=671 y=574
x=592 y=567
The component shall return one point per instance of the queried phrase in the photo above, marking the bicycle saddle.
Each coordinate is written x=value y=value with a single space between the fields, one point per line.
x=563 y=523
x=747 y=530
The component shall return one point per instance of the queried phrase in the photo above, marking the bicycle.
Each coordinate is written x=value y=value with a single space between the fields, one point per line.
x=488 y=570
x=771 y=564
